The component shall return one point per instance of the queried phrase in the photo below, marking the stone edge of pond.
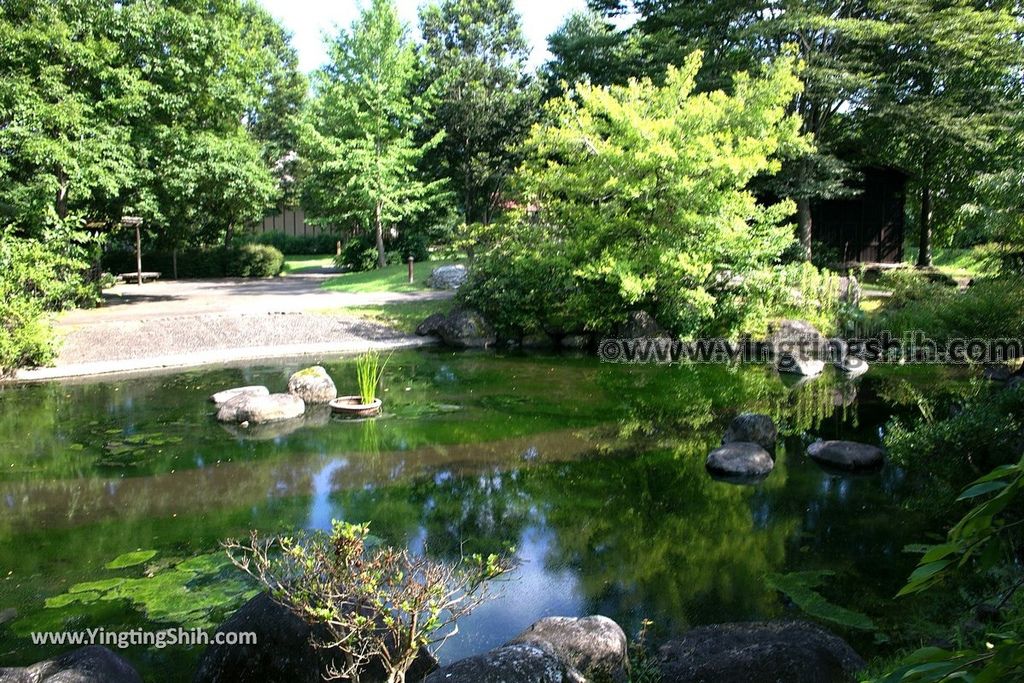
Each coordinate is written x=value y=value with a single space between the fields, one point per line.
x=217 y=357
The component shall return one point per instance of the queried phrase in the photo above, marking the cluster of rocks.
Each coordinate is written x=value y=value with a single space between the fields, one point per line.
x=552 y=650
x=747 y=453
x=465 y=328
x=255 y=405
x=797 y=347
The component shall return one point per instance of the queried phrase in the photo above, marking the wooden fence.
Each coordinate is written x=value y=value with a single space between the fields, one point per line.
x=291 y=221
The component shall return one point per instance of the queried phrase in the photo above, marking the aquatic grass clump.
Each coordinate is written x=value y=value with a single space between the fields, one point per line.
x=369 y=370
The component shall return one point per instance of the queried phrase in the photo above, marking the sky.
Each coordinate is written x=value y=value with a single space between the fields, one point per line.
x=309 y=19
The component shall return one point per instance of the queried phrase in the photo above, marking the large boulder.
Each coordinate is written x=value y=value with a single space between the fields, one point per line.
x=759 y=429
x=594 y=645
x=447 y=277
x=313 y=385
x=261 y=409
x=430 y=325
x=222 y=397
x=765 y=652
x=465 y=328
x=90 y=664
x=640 y=325
x=575 y=341
x=846 y=455
x=740 y=460
x=285 y=652
x=795 y=335
x=514 y=663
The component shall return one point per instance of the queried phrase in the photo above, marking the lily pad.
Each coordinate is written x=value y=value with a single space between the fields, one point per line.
x=131 y=559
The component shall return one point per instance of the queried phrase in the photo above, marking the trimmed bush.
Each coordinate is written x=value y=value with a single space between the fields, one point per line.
x=255 y=260
x=247 y=260
x=324 y=243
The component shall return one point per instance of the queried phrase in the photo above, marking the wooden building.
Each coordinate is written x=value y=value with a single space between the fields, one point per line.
x=868 y=226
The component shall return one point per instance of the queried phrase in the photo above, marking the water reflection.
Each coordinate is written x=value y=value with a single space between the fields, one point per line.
x=594 y=473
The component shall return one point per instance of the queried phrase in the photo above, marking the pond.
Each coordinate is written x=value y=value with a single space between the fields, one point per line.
x=593 y=472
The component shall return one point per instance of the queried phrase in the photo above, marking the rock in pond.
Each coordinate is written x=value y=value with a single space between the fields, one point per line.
x=222 y=397
x=741 y=460
x=284 y=653
x=447 y=277
x=313 y=385
x=464 y=328
x=759 y=429
x=594 y=645
x=90 y=664
x=846 y=455
x=762 y=652
x=430 y=325
x=852 y=366
x=796 y=336
x=640 y=325
x=261 y=409
x=518 y=663
x=798 y=365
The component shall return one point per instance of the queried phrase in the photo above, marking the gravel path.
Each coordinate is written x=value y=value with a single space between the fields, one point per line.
x=198 y=322
x=177 y=335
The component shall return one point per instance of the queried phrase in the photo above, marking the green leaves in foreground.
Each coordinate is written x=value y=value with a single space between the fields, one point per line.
x=799 y=587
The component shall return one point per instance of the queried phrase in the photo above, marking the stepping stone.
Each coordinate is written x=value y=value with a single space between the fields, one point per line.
x=740 y=460
x=846 y=455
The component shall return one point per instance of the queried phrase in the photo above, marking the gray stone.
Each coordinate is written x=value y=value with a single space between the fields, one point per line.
x=313 y=385
x=447 y=277
x=849 y=291
x=91 y=664
x=852 y=366
x=516 y=663
x=430 y=325
x=760 y=429
x=465 y=328
x=740 y=459
x=846 y=455
x=797 y=365
x=285 y=652
x=761 y=652
x=640 y=325
x=575 y=341
x=594 y=645
x=222 y=397
x=261 y=409
x=795 y=335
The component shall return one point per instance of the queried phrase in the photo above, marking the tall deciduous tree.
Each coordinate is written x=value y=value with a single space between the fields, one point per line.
x=358 y=136
x=949 y=72
x=481 y=97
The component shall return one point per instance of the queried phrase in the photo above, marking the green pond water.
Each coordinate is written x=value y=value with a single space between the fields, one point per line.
x=593 y=472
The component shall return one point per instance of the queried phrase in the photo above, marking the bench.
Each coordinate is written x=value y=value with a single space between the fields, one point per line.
x=133 y=277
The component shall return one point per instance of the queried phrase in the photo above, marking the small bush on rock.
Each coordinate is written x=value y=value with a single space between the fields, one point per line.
x=377 y=603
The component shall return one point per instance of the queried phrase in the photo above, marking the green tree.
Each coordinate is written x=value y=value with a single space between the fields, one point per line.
x=586 y=47
x=947 y=79
x=358 y=140
x=644 y=201
x=480 y=95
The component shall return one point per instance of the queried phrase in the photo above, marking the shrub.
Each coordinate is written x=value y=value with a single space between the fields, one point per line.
x=26 y=337
x=644 y=203
x=254 y=260
x=247 y=260
x=376 y=603
x=323 y=243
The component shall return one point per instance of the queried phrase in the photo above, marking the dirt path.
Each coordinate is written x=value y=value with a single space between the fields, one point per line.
x=198 y=322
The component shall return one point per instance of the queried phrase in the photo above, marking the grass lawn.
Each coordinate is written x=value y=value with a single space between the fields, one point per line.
x=979 y=260
x=403 y=317
x=390 y=279
x=307 y=263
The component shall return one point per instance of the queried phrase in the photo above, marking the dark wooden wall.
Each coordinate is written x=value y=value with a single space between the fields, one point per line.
x=868 y=226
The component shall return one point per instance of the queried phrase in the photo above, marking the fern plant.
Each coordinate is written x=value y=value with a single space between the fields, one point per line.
x=369 y=370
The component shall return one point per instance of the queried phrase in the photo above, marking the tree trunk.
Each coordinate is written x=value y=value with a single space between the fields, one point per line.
x=174 y=261
x=804 y=220
x=61 y=200
x=229 y=234
x=924 y=254
x=138 y=253
x=379 y=227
